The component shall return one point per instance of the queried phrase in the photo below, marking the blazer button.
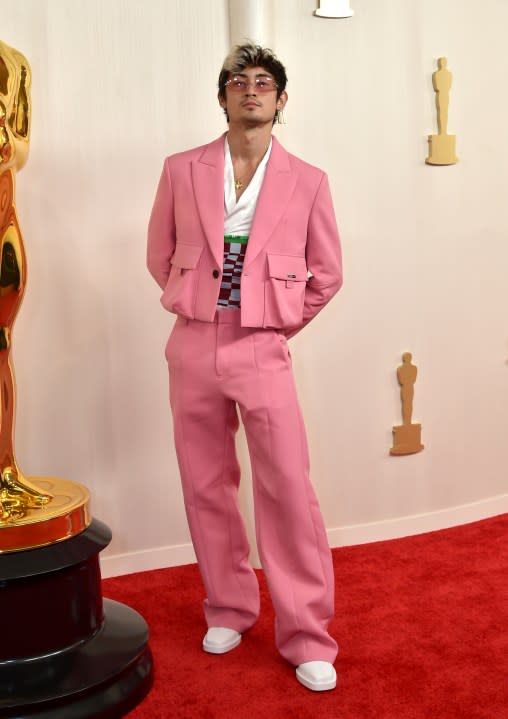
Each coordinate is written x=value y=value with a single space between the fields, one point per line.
x=216 y=273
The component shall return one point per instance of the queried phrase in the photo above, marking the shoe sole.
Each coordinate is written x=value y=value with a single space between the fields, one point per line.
x=221 y=648
x=316 y=686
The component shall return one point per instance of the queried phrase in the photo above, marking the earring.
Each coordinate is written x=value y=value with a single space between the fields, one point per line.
x=280 y=117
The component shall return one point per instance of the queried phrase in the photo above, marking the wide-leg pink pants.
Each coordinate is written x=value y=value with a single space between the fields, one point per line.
x=213 y=367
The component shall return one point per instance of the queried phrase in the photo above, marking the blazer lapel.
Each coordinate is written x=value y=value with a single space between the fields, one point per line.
x=278 y=186
x=208 y=186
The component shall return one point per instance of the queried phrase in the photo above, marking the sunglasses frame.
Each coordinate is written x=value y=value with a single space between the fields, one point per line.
x=248 y=83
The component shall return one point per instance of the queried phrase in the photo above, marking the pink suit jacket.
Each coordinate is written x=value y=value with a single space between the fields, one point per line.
x=292 y=265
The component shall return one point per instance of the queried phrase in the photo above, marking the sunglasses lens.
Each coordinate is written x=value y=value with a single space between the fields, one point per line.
x=236 y=84
x=265 y=84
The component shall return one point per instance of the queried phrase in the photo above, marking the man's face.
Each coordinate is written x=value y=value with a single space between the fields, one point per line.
x=251 y=97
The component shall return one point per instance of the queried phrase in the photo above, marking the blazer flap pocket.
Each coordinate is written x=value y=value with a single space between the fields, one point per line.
x=186 y=256
x=287 y=267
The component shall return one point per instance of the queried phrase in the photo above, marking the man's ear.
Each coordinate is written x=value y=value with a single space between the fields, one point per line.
x=281 y=102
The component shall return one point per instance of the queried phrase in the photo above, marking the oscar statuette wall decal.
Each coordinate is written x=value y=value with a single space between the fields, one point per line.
x=442 y=145
x=64 y=651
x=407 y=436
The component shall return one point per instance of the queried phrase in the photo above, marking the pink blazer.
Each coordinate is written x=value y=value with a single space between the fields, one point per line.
x=292 y=265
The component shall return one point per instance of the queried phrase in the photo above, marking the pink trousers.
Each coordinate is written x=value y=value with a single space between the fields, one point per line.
x=213 y=368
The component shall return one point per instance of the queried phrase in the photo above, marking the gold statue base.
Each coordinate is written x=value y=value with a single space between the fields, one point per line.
x=407 y=439
x=442 y=150
x=66 y=515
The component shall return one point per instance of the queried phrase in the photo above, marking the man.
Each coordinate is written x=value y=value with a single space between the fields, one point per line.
x=244 y=244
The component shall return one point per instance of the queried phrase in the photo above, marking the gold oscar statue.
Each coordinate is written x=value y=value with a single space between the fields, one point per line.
x=64 y=650
x=407 y=437
x=442 y=145
x=41 y=505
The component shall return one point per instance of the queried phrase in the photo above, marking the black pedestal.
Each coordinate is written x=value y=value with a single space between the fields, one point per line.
x=64 y=653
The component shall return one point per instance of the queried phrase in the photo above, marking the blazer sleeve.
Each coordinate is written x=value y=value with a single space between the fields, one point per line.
x=162 y=230
x=323 y=254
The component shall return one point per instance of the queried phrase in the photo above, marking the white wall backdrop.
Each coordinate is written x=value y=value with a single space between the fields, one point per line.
x=119 y=84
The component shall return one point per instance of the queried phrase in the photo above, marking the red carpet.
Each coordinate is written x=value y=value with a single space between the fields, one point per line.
x=421 y=623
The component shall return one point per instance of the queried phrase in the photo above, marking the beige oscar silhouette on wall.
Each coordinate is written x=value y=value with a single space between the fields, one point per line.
x=407 y=436
x=442 y=145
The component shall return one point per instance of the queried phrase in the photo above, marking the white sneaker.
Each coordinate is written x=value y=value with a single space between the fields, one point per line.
x=317 y=676
x=219 y=640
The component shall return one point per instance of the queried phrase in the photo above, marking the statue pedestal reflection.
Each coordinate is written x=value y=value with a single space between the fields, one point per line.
x=66 y=652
